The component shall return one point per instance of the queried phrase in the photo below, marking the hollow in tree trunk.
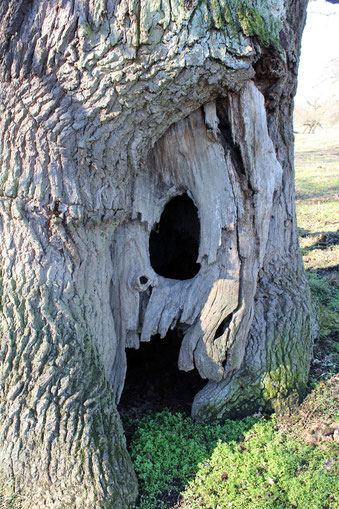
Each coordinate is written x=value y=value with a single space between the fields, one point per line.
x=146 y=185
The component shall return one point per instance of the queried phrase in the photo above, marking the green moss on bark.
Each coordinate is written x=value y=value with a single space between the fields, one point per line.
x=252 y=17
x=279 y=386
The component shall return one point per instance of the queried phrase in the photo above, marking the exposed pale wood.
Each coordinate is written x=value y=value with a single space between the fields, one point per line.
x=234 y=213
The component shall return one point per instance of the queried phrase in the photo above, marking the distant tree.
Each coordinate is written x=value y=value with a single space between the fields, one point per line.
x=311 y=126
x=312 y=123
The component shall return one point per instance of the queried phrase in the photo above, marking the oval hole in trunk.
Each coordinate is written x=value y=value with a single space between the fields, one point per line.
x=174 y=243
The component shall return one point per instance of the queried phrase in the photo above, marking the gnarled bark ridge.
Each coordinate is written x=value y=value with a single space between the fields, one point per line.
x=109 y=110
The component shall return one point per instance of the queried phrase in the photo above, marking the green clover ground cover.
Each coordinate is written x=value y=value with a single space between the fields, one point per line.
x=167 y=450
x=267 y=469
x=245 y=463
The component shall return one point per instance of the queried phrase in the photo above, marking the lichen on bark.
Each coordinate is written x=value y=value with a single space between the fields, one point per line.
x=252 y=17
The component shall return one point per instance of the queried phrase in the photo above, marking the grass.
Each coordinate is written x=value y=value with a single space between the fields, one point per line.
x=252 y=463
x=317 y=190
x=279 y=462
x=267 y=469
x=317 y=199
x=168 y=449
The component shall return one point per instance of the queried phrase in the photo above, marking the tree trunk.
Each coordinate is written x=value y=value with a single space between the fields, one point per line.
x=146 y=184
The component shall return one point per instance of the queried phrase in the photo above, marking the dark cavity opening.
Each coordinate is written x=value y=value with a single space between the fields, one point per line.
x=223 y=326
x=153 y=380
x=174 y=243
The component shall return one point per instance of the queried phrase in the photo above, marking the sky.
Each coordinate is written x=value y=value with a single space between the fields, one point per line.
x=320 y=46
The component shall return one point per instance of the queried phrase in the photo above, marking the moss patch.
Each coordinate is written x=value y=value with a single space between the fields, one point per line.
x=253 y=18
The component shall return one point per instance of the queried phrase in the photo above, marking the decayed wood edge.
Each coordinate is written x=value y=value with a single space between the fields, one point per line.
x=234 y=214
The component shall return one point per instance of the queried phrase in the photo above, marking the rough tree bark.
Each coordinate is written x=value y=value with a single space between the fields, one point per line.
x=109 y=109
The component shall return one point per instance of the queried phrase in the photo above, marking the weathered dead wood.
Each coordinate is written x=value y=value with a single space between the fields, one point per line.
x=234 y=211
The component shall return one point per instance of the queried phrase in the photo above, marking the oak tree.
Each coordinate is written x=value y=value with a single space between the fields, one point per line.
x=146 y=185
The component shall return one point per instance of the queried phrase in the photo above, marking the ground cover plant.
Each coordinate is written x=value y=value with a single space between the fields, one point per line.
x=243 y=463
x=168 y=448
x=264 y=462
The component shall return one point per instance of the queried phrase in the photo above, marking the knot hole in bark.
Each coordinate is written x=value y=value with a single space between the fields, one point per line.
x=223 y=326
x=174 y=243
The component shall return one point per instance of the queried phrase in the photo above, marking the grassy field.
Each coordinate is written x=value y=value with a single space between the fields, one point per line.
x=283 y=462
x=317 y=201
x=317 y=198
x=259 y=462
